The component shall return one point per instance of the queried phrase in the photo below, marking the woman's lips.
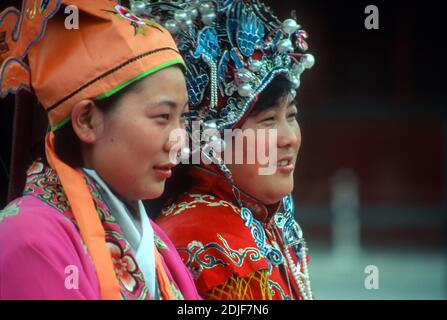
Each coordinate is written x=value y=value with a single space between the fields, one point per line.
x=285 y=165
x=286 y=169
x=164 y=172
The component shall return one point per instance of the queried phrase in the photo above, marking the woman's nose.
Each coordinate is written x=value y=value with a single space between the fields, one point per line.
x=288 y=135
x=177 y=140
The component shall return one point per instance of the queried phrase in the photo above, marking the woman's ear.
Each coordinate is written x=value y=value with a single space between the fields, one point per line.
x=87 y=121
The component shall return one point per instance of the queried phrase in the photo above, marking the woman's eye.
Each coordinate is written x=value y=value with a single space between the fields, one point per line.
x=165 y=116
x=293 y=116
x=268 y=120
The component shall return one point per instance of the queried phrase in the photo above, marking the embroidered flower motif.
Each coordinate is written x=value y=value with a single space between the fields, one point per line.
x=126 y=14
x=124 y=266
x=138 y=23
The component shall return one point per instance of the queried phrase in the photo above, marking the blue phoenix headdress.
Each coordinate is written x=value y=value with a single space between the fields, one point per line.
x=233 y=49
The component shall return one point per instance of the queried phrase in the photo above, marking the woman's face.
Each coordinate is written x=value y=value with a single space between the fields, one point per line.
x=131 y=152
x=270 y=188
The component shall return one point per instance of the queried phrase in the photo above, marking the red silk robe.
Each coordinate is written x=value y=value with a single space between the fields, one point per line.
x=206 y=227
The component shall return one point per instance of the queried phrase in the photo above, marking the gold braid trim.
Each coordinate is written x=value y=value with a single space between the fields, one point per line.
x=237 y=288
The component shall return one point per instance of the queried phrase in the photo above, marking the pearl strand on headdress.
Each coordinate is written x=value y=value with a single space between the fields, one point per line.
x=214 y=85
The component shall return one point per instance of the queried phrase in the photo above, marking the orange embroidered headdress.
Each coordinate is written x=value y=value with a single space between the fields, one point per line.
x=62 y=62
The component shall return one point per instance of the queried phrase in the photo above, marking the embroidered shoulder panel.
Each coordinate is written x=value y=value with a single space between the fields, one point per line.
x=43 y=183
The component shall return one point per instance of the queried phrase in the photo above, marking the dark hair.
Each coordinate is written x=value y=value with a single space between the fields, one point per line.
x=270 y=97
x=273 y=94
x=67 y=144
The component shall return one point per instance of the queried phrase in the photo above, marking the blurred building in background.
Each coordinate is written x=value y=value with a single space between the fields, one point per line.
x=371 y=178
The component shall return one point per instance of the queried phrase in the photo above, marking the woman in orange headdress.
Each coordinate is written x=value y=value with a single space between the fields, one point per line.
x=113 y=90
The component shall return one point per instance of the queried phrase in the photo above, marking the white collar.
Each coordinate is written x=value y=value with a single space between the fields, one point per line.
x=136 y=228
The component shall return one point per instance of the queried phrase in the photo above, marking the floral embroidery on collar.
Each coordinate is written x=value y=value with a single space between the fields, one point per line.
x=125 y=267
x=43 y=183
